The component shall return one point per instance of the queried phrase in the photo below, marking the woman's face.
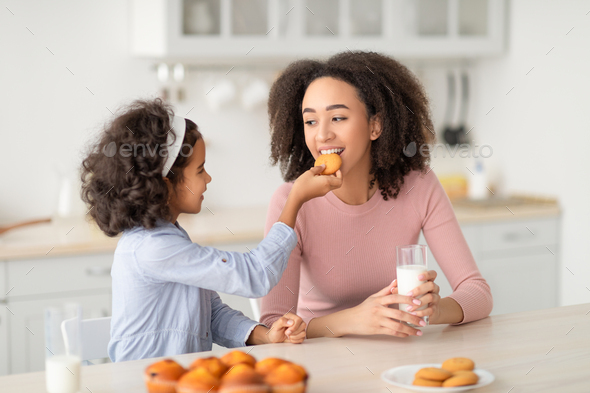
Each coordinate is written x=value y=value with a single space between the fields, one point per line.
x=335 y=121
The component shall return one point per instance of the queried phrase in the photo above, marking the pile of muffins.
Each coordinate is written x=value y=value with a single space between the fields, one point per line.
x=235 y=372
x=453 y=372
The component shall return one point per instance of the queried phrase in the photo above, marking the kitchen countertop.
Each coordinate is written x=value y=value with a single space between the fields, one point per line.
x=74 y=236
x=516 y=207
x=536 y=351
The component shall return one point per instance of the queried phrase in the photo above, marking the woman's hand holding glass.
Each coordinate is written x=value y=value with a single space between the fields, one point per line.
x=374 y=316
x=429 y=292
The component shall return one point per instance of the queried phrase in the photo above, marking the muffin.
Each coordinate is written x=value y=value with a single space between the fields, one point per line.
x=264 y=367
x=242 y=378
x=287 y=378
x=238 y=357
x=162 y=376
x=199 y=380
x=212 y=364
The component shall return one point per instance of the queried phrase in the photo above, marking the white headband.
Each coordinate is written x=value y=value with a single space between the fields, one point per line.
x=178 y=124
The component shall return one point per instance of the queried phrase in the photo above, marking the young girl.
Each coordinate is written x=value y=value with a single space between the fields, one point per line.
x=368 y=108
x=147 y=168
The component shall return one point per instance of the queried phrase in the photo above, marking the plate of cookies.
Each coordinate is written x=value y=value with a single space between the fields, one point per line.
x=453 y=375
x=234 y=372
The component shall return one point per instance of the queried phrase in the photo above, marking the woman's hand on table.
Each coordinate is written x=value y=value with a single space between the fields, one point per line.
x=430 y=296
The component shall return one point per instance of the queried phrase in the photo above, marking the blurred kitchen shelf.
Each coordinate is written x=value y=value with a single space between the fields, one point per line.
x=251 y=31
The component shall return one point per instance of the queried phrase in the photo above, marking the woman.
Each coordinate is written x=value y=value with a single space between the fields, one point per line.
x=366 y=107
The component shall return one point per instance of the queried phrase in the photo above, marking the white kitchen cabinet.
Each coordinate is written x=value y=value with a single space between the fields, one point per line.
x=530 y=237
x=3 y=322
x=33 y=284
x=216 y=31
x=3 y=339
x=27 y=340
x=519 y=260
x=3 y=289
x=521 y=283
x=36 y=277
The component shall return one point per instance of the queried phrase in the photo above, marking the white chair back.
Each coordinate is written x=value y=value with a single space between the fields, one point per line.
x=96 y=334
x=255 y=304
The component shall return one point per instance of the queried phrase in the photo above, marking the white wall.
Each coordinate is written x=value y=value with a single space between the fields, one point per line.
x=49 y=116
x=540 y=131
x=237 y=139
x=47 y=113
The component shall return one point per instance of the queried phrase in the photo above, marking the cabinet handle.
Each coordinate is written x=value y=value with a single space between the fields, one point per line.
x=516 y=236
x=98 y=271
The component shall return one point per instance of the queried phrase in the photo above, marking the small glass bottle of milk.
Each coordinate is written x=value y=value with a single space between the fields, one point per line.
x=410 y=263
x=63 y=348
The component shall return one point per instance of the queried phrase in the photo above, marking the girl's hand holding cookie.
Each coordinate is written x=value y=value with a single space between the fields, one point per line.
x=430 y=295
x=289 y=328
x=312 y=184
x=308 y=186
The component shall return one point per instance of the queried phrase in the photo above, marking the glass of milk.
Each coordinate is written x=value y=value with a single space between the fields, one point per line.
x=63 y=356
x=411 y=262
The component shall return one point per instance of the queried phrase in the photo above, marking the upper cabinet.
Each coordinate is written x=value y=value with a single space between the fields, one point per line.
x=203 y=31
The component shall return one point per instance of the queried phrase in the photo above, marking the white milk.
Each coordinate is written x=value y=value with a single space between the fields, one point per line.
x=62 y=374
x=407 y=279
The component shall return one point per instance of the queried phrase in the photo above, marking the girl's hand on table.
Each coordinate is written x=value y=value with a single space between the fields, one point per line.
x=373 y=316
x=289 y=328
x=430 y=292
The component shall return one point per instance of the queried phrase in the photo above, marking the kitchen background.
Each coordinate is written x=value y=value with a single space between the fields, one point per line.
x=66 y=65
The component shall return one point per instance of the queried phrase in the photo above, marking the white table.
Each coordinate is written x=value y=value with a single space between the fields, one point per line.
x=537 y=351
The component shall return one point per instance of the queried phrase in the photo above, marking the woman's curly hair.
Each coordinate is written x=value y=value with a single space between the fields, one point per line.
x=386 y=87
x=122 y=181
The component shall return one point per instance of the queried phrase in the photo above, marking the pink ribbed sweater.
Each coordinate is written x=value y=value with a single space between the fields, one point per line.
x=345 y=253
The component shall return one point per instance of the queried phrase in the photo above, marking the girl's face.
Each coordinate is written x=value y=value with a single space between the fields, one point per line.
x=188 y=195
x=335 y=121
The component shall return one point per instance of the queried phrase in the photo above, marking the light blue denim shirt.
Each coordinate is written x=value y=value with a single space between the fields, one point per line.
x=164 y=299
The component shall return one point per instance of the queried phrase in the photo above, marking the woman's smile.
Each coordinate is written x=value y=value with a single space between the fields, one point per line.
x=331 y=150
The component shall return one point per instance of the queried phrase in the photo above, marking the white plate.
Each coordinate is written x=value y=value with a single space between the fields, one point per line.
x=404 y=376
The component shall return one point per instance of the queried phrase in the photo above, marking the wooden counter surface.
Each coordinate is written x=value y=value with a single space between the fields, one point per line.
x=538 y=351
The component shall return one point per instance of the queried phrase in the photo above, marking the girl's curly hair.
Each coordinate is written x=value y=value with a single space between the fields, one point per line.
x=386 y=87
x=122 y=181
